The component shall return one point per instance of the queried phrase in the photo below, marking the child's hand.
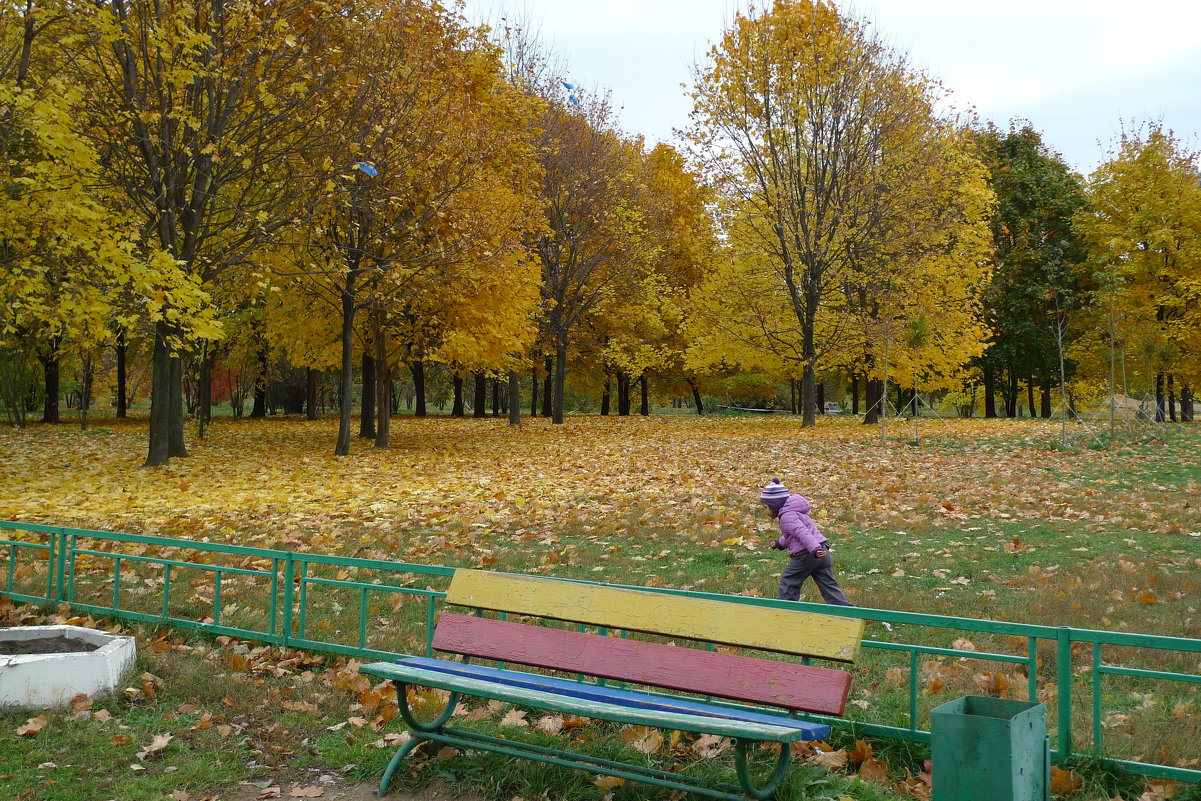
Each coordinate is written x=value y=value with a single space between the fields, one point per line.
x=820 y=553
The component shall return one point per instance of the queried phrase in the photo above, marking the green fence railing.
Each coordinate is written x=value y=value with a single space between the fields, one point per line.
x=377 y=609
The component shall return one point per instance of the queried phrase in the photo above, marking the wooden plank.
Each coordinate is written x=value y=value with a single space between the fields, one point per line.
x=622 y=697
x=783 y=630
x=691 y=670
x=588 y=708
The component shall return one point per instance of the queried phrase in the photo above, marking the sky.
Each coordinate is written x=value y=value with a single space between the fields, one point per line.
x=1078 y=70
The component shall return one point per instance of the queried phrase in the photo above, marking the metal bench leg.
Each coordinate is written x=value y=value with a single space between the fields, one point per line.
x=397 y=758
x=744 y=773
x=417 y=728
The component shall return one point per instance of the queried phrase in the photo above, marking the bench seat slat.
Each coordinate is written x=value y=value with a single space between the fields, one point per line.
x=583 y=690
x=742 y=678
x=772 y=629
x=604 y=710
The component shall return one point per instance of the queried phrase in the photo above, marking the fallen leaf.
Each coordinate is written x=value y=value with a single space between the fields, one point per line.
x=830 y=760
x=549 y=724
x=159 y=742
x=313 y=791
x=32 y=726
x=514 y=717
x=873 y=770
x=1064 y=782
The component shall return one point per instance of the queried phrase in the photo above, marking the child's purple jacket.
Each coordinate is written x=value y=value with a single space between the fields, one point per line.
x=798 y=532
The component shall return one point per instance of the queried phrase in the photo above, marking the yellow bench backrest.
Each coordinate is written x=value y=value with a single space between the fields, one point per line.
x=781 y=630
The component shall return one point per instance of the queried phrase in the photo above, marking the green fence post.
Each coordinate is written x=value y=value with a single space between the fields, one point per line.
x=289 y=567
x=1063 y=702
x=60 y=568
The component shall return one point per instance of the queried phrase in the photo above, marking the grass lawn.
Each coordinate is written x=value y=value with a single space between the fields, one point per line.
x=976 y=518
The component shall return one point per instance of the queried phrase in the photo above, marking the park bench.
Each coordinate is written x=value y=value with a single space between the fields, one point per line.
x=726 y=692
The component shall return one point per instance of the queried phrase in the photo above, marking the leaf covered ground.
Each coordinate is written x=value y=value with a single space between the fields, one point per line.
x=960 y=518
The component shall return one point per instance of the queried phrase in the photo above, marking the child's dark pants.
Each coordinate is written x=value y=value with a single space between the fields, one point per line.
x=804 y=565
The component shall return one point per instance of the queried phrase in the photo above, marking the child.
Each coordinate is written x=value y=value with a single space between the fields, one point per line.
x=800 y=536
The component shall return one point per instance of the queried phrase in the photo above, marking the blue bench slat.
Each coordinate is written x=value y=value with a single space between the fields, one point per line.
x=613 y=695
x=408 y=673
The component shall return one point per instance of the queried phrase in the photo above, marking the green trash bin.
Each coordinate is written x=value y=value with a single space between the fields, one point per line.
x=989 y=749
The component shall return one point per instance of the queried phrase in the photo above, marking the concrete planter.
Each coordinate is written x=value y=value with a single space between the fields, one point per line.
x=54 y=679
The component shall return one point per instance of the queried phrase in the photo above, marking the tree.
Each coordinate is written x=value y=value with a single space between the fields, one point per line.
x=1038 y=279
x=1143 y=232
x=843 y=194
x=595 y=229
x=814 y=133
x=198 y=109
x=73 y=260
x=428 y=194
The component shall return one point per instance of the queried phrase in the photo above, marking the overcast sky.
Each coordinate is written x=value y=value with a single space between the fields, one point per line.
x=1075 y=68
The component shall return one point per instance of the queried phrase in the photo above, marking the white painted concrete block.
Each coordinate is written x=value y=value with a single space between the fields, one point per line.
x=38 y=680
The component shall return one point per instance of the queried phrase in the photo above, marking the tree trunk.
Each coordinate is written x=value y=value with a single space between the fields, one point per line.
x=85 y=389
x=50 y=371
x=548 y=389
x=204 y=388
x=1030 y=395
x=310 y=393
x=821 y=398
x=696 y=398
x=478 y=408
x=1011 y=396
x=514 y=398
x=496 y=397
x=560 y=381
x=623 y=393
x=534 y=389
x=855 y=394
x=259 y=409
x=646 y=404
x=346 y=380
x=1159 y=399
x=367 y=398
x=990 y=392
x=456 y=409
x=1172 y=397
x=605 y=395
x=160 y=399
x=1045 y=406
x=872 y=392
x=417 y=368
x=122 y=351
x=383 y=383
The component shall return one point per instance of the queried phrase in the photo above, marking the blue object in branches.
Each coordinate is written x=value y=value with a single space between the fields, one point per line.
x=367 y=168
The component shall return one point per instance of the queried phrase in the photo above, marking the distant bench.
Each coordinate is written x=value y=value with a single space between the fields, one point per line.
x=748 y=681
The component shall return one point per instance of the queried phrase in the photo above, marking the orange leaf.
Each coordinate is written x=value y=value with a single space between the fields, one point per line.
x=860 y=753
x=873 y=770
x=1064 y=782
x=32 y=726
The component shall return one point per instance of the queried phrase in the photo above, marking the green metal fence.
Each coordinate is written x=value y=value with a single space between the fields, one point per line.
x=377 y=609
